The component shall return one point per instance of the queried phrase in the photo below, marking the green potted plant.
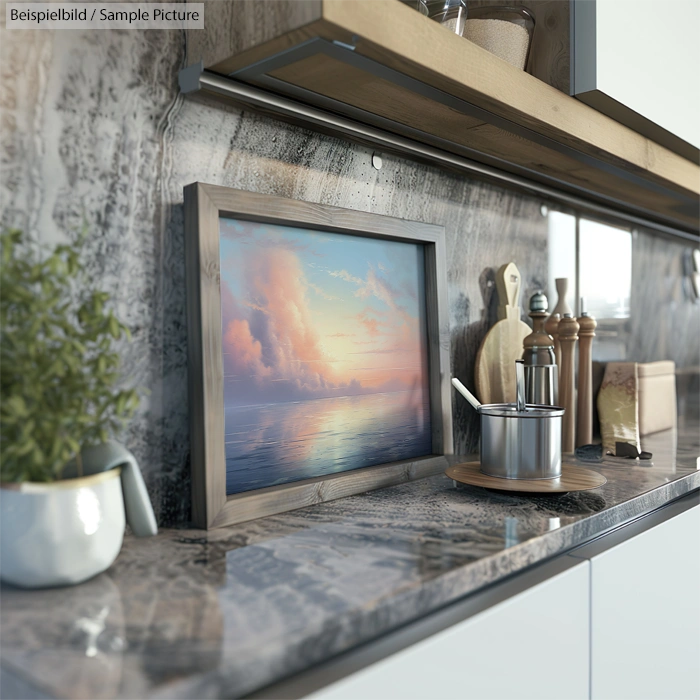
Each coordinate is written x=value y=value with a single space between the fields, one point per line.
x=63 y=502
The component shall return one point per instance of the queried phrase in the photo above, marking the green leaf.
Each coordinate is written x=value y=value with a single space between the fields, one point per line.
x=16 y=405
x=114 y=328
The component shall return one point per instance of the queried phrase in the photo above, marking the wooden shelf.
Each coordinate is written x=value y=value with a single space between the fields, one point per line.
x=384 y=64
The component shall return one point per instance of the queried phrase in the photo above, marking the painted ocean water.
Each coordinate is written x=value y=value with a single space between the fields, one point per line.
x=279 y=443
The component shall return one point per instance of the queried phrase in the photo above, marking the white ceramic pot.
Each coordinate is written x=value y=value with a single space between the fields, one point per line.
x=60 y=533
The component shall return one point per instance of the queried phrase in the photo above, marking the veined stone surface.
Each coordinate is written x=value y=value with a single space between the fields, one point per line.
x=191 y=614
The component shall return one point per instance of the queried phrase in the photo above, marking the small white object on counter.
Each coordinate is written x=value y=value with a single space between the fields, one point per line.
x=67 y=531
x=139 y=512
x=61 y=533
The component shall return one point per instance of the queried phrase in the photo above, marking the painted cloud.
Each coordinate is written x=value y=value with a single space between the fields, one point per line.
x=311 y=315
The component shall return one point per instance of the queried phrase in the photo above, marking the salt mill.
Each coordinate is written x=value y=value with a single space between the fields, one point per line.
x=584 y=410
x=541 y=375
x=568 y=335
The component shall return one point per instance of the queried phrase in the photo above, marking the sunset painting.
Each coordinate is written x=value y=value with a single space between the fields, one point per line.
x=324 y=353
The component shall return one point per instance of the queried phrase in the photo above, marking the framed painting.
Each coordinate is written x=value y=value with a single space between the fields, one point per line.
x=318 y=348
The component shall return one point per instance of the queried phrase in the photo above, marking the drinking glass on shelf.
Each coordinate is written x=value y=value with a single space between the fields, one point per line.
x=449 y=13
x=419 y=5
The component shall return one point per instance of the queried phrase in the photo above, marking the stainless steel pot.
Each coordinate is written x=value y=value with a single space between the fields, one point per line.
x=518 y=440
x=521 y=444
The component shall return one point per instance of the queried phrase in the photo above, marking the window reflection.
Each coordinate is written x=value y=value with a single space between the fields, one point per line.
x=605 y=281
x=561 y=249
x=605 y=269
x=602 y=254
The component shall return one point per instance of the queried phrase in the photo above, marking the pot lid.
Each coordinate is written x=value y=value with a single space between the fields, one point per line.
x=510 y=410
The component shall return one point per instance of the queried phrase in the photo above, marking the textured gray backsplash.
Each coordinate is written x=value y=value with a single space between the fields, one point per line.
x=94 y=128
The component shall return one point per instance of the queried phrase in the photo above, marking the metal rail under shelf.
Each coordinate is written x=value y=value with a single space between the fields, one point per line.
x=194 y=79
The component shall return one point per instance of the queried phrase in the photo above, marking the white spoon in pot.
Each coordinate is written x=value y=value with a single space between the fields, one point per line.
x=466 y=393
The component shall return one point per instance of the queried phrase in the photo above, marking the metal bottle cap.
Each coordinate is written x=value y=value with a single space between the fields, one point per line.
x=538 y=301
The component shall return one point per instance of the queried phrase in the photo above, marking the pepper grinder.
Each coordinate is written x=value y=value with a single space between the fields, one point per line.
x=541 y=374
x=568 y=335
x=584 y=410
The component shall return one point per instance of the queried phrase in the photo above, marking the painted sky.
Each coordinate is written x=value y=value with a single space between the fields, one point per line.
x=309 y=314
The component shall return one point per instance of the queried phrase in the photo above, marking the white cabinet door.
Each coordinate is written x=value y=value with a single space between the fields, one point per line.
x=646 y=614
x=653 y=91
x=533 y=645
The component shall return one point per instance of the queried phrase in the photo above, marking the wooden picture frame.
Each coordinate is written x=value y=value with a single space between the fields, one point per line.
x=205 y=205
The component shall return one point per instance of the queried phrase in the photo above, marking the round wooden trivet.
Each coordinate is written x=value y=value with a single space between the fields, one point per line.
x=571 y=479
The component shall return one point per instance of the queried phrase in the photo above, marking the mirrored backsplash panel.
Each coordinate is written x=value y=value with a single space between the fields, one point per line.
x=637 y=285
x=665 y=315
x=98 y=131
x=640 y=288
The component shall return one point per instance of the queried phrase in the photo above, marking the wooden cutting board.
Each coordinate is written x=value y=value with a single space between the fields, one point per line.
x=503 y=344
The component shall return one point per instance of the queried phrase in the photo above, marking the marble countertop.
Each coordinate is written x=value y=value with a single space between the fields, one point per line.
x=191 y=614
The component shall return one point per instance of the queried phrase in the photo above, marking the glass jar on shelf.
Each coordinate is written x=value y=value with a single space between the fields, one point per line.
x=503 y=31
x=419 y=5
x=449 y=13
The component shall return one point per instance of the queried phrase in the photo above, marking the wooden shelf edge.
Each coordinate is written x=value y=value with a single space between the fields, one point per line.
x=509 y=119
x=401 y=38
